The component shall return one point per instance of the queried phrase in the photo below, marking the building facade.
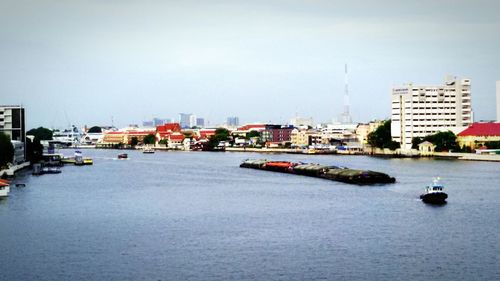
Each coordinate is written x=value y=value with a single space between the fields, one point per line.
x=12 y=122
x=479 y=134
x=418 y=111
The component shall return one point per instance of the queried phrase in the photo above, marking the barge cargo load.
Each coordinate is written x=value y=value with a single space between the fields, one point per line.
x=342 y=174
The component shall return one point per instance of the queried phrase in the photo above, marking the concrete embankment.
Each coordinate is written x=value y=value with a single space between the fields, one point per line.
x=263 y=150
x=12 y=170
x=468 y=156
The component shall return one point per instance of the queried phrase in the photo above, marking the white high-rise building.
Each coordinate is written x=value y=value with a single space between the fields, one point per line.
x=498 y=101
x=418 y=111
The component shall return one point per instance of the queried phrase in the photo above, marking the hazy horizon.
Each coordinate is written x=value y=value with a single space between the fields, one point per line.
x=85 y=62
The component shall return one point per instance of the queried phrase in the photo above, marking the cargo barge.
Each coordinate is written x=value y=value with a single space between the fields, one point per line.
x=342 y=174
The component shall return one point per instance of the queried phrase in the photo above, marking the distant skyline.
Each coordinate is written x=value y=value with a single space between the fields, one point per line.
x=86 y=62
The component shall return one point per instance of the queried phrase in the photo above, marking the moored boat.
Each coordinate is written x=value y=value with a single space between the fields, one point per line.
x=51 y=170
x=148 y=150
x=434 y=193
x=4 y=188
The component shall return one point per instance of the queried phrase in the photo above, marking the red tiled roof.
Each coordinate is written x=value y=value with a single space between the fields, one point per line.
x=252 y=126
x=481 y=129
x=140 y=132
x=176 y=137
x=173 y=127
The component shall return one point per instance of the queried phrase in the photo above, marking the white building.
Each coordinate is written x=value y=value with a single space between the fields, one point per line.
x=12 y=123
x=418 y=110
x=300 y=121
x=192 y=121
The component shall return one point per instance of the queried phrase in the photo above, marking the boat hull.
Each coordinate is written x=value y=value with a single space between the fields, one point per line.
x=434 y=198
x=4 y=191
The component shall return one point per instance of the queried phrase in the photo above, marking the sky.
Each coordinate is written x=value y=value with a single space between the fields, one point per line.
x=94 y=62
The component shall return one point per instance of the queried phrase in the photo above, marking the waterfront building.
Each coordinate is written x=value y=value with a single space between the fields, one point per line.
x=498 y=101
x=163 y=132
x=479 y=134
x=115 y=137
x=277 y=134
x=418 y=110
x=233 y=121
x=244 y=130
x=303 y=138
x=13 y=124
x=126 y=136
x=362 y=130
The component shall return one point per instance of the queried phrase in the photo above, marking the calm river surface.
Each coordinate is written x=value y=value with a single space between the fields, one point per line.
x=198 y=216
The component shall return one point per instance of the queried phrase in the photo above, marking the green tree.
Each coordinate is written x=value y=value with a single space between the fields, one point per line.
x=34 y=150
x=95 y=129
x=6 y=150
x=381 y=137
x=221 y=134
x=149 y=139
x=444 y=141
x=253 y=134
x=41 y=133
x=134 y=141
x=416 y=141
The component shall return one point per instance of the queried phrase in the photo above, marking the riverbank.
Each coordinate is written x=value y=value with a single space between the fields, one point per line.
x=13 y=169
x=468 y=156
x=379 y=153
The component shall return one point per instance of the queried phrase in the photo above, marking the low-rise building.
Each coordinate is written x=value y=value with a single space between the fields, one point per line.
x=479 y=134
x=277 y=134
x=302 y=138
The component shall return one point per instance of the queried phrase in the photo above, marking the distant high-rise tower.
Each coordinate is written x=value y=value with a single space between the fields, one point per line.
x=233 y=121
x=345 y=117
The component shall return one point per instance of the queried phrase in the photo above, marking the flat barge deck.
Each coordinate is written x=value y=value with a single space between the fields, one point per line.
x=342 y=174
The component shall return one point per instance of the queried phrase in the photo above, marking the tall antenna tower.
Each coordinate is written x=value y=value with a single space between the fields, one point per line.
x=346 y=116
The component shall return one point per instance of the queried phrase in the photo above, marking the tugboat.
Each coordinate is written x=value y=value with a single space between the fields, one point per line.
x=434 y=193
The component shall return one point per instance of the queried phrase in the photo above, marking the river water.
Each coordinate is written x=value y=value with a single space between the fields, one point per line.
x=198 y=216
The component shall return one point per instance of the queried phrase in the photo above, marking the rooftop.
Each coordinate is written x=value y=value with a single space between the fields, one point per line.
x=481 y=129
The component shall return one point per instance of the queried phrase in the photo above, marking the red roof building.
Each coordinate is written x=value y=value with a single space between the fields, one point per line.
x=479 y=134
x=481 y=129
x=169 y=127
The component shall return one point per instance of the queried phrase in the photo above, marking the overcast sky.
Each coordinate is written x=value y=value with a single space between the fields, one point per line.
x=86 y=61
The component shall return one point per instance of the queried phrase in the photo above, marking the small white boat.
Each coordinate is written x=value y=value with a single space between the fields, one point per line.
x=4 y=188
x=148 y=149
x=434 y=193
